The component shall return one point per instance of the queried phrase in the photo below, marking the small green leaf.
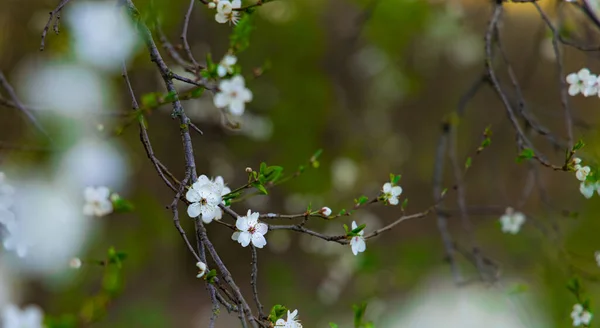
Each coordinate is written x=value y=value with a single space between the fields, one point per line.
x=346 y=228
x=342 y=212
x=121 y=205
x=260 y=188
x=170 y=97
x=210 y=276
x=358 y=229
x=361 y=200
x=578 y=145
x=525 y=154
x=574 y=286
x=468 y=163
x=359 y=313
x=444 y=192
x=197 y=93
x=277 y=311
x=333 y=325
x=404 y=204
x=150 y=99
x=396 y=179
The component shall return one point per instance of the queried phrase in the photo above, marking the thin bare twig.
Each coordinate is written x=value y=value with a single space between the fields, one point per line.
x=54 y=13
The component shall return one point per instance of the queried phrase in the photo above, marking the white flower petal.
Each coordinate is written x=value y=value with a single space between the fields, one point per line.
x=192 y=195
x=236 y=107
x=244 y=238
x=194 y=210
x=261 y=228
x=258 y=240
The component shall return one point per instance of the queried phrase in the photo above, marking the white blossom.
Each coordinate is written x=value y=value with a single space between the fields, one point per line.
x=587 y=189
x=579 y=82
x=580 y=316
x=325 y=211
x=226 y=12
x=205 y=197
x=250 y=230
x=233 y=94
x=512 y=221
x=582 y=172
x=201 y=269
x=213 y=4
x=29 y=317
x=226 y=65
x=358 y=242
x=220 y=184
x=97 y=201
x=75 y=263
x=391 y=193
x=292 y=321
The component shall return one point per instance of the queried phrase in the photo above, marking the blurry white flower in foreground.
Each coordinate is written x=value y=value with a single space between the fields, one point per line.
x=7 y=192
x=580 y=316
x=512 y=221
x=48 y=221
x=97 y=201
x=226 y=65
x=233 y=94
x=250 y=230
x=29 y=317
x=587 y=189
x=441 y=304
x=292 y=321
x=94 y=162
x=103 y=36
x=344 y=173
x=70 y=89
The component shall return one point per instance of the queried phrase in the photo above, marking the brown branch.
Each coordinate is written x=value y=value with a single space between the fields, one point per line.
x=54 y=13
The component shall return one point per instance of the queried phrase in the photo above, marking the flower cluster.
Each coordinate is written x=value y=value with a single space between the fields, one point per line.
x=250 y=230
x=226 y=10
x=391 y=193
x=580 y=316
x=583 y=83
x=512 y=221
x=205 y=195
x=30 y=317
x=292 y=321
x=97 y=201
x=233 y=95
x=12 y=241
x=582 y=173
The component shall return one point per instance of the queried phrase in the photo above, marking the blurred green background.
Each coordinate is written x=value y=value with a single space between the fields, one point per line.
x=370 y=82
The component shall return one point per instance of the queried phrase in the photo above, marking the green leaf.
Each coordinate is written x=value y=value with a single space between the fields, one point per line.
x=468 y=163
x=525 y=154
x=404 y=204
x=342 y=212
x=210 y=276
x=578 y=145
x=574 y=286
x=359 y=313
x=231 y=196
x=170 y=97
x=316 y=155
x=150 y=99
x=358 y=229
x=197 y=93
x=121 y=205
x=396 y=179
x=346 y=228
x=239 y=39
x=277 y=311
x=260 y=188
x=262 y=168
x=361 y=200
x=333 y=325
